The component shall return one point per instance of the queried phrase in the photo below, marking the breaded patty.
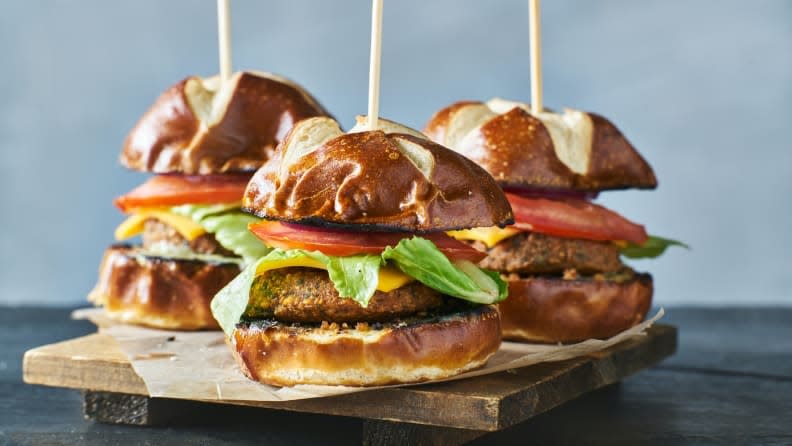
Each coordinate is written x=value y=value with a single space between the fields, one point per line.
x=533 y=253
x=307 y=295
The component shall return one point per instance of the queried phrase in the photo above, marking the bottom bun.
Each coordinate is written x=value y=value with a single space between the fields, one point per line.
x=405 y=351
x=548 y=309
x=158 y=291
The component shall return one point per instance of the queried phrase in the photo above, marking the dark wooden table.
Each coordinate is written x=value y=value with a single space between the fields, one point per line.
x=730 y=383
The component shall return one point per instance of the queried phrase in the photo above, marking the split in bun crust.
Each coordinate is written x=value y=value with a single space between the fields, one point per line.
x=200 y=126
x=572 y=150
x=389 y=179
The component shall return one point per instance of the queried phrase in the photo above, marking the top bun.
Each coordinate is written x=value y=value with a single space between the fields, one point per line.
x=573 y=150
x=202 y=126
x=391 y=179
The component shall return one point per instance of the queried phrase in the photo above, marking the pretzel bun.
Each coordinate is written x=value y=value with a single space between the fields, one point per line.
x=404 y=351
x=389 y=179
x=573 y=150
x=202 y=126
x=168 y=293
x=549 y=309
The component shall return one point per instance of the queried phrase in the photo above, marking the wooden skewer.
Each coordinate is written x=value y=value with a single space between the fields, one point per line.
x=536 y=58
x=374 y=64
x=224 y=38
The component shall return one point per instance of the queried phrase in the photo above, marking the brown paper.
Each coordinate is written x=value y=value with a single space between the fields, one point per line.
x=199 y=365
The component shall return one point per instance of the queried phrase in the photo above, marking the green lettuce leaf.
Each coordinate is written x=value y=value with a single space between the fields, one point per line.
x=229 y=227
x=231 y=231
x=489 y=281
x=355 y=277
x=198 y=212
x=654 y=247
x=231 y=302
x=289 y=254
x=420 y=258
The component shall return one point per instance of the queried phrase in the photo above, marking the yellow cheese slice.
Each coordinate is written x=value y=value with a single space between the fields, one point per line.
x=133 y=225
x=489 y=236
x=390 y=278
x=130 y=227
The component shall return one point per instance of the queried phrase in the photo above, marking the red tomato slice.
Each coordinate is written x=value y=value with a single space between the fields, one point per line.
x=346 y=243
x=573 y=218
x=173 y=190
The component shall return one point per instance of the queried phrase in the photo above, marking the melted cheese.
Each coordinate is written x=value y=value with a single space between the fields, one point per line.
x=133 y=225
x=390 y=278
x=489 y=236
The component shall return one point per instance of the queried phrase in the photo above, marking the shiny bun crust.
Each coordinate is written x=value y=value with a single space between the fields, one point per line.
x=200 y=126
x=159 y=292
x=392 y=179
x=572 y=150
x=551 y=310
x=419 y=350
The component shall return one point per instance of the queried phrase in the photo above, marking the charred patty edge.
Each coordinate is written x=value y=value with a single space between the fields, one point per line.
x=436 y=315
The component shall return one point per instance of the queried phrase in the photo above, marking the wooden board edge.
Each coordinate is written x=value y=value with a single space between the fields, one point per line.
x=102 y=374
x=598 y=371
x=118 y=377
x=491 y=415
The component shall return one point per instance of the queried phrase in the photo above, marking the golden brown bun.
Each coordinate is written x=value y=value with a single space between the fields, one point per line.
x=549 y=309
x=378 y=180
x=572 y=150
x=201 y=127
x=421 y=350
x=159 y=292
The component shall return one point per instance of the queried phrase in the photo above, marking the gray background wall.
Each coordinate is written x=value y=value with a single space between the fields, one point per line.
x=702 y=88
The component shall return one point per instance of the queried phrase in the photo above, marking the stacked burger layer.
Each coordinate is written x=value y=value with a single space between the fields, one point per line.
x=372 y=257
x=562 y=257
x=203 y=140
x=364 y=287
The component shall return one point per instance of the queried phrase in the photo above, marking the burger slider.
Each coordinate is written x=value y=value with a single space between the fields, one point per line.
x=562 y=257
x=363 y=286
x=203 y=139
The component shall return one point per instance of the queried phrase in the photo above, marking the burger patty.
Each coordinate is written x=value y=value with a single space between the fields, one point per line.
x=533 y=253
x=308 y=295
x=157 y=233
x=624 y=275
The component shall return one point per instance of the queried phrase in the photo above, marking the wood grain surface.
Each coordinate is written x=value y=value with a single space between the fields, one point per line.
x=729 y=383
x=486 y=403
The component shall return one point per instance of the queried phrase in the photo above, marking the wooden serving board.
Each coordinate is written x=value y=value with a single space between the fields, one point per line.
x=448 y=413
